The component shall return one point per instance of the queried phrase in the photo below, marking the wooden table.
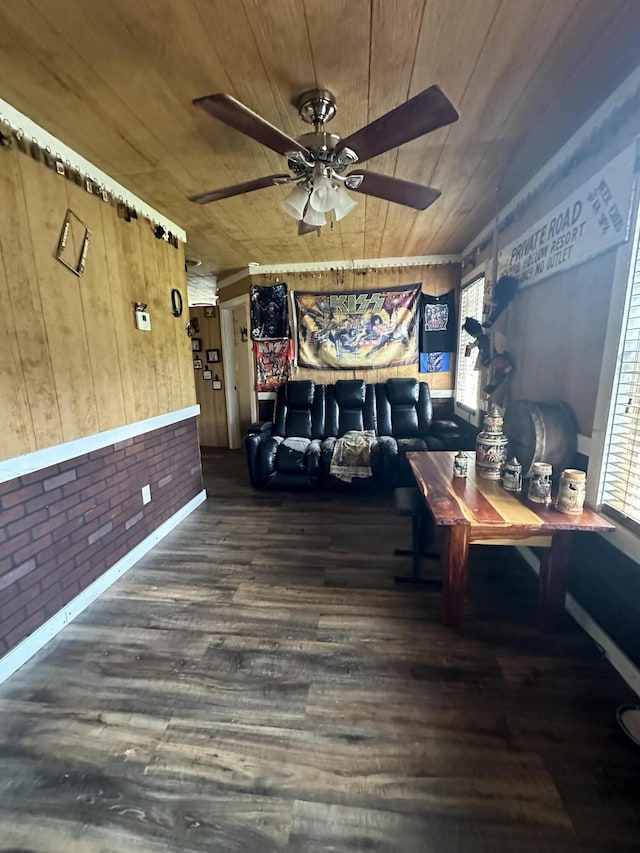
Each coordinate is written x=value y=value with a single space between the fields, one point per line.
x=475 y=511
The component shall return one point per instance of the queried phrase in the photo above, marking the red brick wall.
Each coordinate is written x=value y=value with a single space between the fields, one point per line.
x=64 y=526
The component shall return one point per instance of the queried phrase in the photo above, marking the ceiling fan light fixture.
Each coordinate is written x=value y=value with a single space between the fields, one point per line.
x=313 y=217
x=295 y=203
x=324 y=195
x=344 y=204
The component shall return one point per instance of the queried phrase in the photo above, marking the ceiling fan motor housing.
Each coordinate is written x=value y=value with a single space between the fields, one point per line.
x=316 y=106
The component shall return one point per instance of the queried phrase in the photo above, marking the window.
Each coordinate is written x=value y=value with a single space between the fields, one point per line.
x=467 y=377
x=620 y=482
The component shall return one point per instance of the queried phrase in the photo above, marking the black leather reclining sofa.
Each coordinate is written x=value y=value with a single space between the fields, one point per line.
x=296 y=448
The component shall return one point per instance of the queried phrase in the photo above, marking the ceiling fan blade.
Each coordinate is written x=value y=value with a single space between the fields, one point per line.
x=303 y=228
x=239 y=189
x=395 y=189
x=423 y=113
x=232 y=112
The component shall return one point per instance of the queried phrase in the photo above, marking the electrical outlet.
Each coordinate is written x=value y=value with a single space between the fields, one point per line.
x=146 y=494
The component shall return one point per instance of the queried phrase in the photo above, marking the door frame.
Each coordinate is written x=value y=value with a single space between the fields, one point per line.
x=229 y=368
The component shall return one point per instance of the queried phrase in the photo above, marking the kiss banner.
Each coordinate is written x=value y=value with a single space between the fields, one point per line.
x=358 y=329
x=272 y=364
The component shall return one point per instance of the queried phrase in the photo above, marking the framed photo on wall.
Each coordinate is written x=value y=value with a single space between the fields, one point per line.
x=197 y=364
x=196 y=344
x=213 y=355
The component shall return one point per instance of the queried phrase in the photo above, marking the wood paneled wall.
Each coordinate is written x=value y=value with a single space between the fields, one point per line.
x=435 y=279
x=212 y=424
x=72 y=362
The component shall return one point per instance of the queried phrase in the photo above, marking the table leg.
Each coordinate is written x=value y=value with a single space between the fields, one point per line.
x=552 y=584
x=455 y=574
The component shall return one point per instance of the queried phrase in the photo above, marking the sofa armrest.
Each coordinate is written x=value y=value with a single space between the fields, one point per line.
x=445 y=429
x=450 y=435
x=257 y=434
x=263 y=428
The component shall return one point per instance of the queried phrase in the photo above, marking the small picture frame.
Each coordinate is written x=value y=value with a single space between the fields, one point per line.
x=207 y=374
x=217 y=384
x=196 y=344
x=213 y=355
x=209 y=311
x=75 y=262
x=197 y=364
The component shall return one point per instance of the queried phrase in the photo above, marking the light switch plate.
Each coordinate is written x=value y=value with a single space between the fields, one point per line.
x=143 y=321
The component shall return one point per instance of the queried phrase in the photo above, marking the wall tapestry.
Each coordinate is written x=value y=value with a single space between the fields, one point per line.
x=272 y=364
x=358 y=329
x=435 y=362
x=438 y=322
x=269 y=312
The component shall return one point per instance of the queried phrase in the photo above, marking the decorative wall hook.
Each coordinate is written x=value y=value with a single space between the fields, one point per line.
x=176 y=302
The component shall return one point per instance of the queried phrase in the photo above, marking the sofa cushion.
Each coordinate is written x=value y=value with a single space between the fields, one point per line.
x=350 y=405
x=350 y=393
x=291 y=456
x=403 y=392
x=411 y=408
x=300 y=393
x=293 y=411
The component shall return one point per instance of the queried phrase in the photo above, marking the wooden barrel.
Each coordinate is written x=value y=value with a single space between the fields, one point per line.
x=541 y=432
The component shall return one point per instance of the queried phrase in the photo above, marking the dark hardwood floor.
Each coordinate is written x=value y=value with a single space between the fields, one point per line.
x=257 y=683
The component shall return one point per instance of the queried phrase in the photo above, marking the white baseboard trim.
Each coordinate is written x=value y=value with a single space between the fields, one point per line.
x=617 y=658
x=19 y=655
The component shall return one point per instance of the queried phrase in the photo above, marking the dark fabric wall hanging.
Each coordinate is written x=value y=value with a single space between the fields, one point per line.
x=438 y=323
x=269 y=312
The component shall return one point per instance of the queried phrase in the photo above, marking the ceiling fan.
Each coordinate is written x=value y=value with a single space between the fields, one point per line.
x=318 y=161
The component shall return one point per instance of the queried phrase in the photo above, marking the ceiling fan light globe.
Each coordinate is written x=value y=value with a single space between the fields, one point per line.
x=295 y=203
x=314 y=217
x=344 y=204
x=323 y=196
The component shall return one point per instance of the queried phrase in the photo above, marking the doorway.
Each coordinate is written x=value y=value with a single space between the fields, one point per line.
x=239 y=368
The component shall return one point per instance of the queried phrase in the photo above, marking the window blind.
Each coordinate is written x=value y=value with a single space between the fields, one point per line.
x=467 y=378
x=620 y=483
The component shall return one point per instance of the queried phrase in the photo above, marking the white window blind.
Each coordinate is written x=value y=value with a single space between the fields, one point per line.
x=467 y=378
x=620 y=482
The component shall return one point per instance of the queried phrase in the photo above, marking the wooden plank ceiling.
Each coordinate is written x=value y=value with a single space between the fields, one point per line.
x=115 y=81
